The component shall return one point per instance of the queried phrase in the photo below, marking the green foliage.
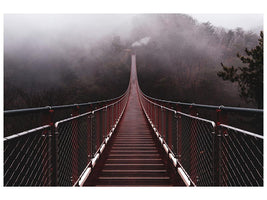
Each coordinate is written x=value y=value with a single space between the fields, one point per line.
x=250 y=76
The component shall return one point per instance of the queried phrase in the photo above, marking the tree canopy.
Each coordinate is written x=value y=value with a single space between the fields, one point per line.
x=250 y=76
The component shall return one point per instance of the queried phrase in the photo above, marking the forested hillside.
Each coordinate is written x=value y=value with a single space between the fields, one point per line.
x=182 y=58
x=178 y=61
x=65 y=75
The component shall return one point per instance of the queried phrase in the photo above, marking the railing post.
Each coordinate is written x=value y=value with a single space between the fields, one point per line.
x=100 y=124
x=90 y=108
x=75 y=145
x=175 y=136
x=112 y=116
x=149 y=110
x=89 y=134
x=217 y=148
x=119 y=109
x=154 y=115
x=53 y=150
x=193 y=146
x=105 y=122
x=168 y=129
x=163 y=125
x=179 y=132
x=160 y=120
x=89 y=138
x=115 y=112
x=98 y=129
x=93 y=134
x=109 y=117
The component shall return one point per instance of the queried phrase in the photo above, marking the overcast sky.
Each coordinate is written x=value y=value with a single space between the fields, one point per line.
x=232 y=21
x=103 y=23
x=46 y=28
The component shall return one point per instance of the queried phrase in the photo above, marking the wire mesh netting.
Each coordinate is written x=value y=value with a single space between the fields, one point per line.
x=210 y=152
x=197 y=148
x=79 y=138
x=27 y=158
x=241 y=157
x=74 y=148
x=57 y=153
x=16 y=121
x=199 y=144
x=189 y=138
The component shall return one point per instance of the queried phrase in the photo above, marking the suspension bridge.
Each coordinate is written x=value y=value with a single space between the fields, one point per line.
x=131 y=140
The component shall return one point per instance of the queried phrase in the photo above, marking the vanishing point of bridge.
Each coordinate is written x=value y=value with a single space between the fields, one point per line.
x=132 y=140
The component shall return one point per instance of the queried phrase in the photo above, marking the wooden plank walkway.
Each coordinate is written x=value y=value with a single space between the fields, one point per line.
x=133 y=157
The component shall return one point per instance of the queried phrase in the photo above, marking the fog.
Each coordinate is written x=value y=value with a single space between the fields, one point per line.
x=83 y=30
x=231 y=21
x=57 y=52
x=76 y=29
x=84 y=57
x=80 y=28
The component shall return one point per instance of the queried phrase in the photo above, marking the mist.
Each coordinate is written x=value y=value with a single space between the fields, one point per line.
x=41 y=36
x=248 y=22
x=63 y=59
x=183 y=56
x=45 y=53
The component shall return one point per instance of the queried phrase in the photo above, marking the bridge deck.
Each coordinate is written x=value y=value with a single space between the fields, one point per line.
x=133 y=156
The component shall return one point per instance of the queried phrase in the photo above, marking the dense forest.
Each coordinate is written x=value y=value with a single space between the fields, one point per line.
x=179 y=61
x=77 y=76
x=182 y=58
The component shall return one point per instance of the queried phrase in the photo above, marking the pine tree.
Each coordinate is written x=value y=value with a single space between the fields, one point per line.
x=250 y=76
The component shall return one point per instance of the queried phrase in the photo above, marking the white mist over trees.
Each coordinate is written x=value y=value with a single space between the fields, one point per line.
x=63 y=59
x=182 y=58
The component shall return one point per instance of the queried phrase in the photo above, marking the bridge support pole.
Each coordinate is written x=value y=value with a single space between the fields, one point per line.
x=161 y=124
x=106 y=129
x=158 y=120
x=150 y=111
x=115 y=113
x=53 y=177
x=193 y=146
x=178 y=118
x=109 y=117
x=168 y=128
x=217 y=149
x=93 y=134
x=175 y=136
x=112 y=117
x=75 y=147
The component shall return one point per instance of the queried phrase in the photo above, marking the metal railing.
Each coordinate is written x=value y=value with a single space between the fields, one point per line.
x=19 y=120
x=69 y=137
x=210 y=153
x=57 y=153
x=245 y=118
x=241 y=157
x=27 y=158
